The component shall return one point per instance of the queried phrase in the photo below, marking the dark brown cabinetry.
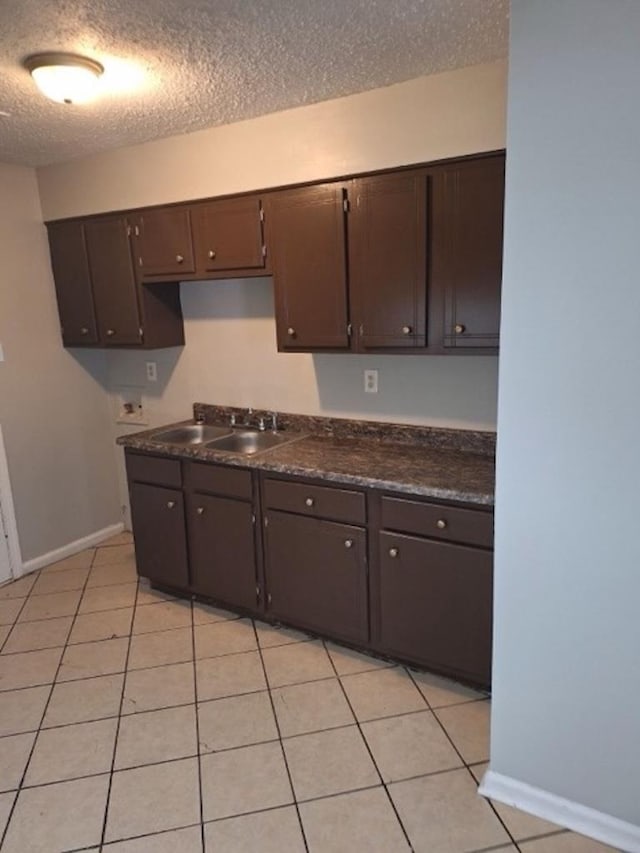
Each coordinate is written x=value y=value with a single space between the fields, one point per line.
x=434 y=596
x=228 y=238
x=316 y=568
x=387 y=261
x=163 y=242
x=99 y=300
x=70 y=264
x=307 y=242
x=221 y=525
x=467 y=222
x=158 y=520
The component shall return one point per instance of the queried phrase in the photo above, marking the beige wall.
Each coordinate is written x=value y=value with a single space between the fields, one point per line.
x=53 y=406
x=230 y=353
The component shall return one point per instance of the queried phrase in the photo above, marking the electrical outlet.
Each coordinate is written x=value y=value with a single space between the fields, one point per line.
x=371 y=381
x=152 y=371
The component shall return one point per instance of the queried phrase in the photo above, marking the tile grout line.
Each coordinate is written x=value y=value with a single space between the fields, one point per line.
x=282 y=749
x=368 y=748
x=46 y=707
x=119 y=720
x=197 y=716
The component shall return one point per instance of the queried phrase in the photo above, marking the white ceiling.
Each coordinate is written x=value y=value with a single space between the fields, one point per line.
x=173 y=66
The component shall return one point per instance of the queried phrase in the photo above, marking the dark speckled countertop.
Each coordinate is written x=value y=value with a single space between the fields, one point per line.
x=451 y=465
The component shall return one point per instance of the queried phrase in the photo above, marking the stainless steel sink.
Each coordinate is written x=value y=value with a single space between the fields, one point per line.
x=191 y=434
x=250 y=441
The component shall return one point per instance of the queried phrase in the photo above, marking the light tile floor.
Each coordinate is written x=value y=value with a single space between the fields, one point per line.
x=131 y=722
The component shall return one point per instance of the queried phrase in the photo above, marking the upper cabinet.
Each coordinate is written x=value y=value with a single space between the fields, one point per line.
x=228 y=236
x=406 y=261
x=99 y=300
x=163 y=242
x=70 y=264
x=466 y=251
x=387 y=260
x=307 y=242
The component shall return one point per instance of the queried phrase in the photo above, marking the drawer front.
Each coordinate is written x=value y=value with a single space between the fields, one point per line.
x=472 y=527
x=317 y=501
x=153 y=469
x=230 y=482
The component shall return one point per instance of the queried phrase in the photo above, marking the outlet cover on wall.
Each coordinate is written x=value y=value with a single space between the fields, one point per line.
x=371 y=381
x=152 y=371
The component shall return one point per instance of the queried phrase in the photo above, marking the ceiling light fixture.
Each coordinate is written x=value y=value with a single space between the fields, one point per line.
x=64 y=77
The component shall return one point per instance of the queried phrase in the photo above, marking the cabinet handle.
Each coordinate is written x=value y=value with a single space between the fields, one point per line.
x=200 y=510
x=111 y=332
x=179 y=258
x=460 y=329
x=348 y=543
x=309 y=501
x=212 y=254
x=84 y=331
x=441 y=524
x=291 y=332
x=406 y=330
x=393 y=552
x=171 y=504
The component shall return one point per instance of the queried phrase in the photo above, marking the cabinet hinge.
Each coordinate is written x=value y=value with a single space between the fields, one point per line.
x=349 y=329
x=345 y=205
x=141 y=331
x=128 y=231
x=268 y=598
x=257 y=593
x=261 y=214
x=253 y=518
x=139 y=260
x=266 y=521
x=136 y=231
x=264 y=251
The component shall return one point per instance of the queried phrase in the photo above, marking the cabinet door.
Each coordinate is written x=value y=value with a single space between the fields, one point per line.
x=227 y=235
x=387 y=261
x=221 y=543
x=163 y=242
x=72 y=278
x=467 y=250
x=317 y=575
x=436 y=604
x=114 y=284
x=157 y=516
x=306 y=229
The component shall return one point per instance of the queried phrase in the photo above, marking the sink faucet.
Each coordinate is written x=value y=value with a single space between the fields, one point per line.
x=200 y=418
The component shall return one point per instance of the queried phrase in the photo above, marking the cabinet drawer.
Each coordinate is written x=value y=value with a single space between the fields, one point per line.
x=470 y=526
x=318 y=501
x=153 y=469
x=231 y=482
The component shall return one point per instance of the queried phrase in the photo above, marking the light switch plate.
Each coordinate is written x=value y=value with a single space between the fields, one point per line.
x=371 y=381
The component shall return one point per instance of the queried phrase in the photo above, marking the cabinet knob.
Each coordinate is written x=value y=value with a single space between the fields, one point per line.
x=211 y=254
x=171 y=504
x=179 y=258
x=111 y=332
x=406 y=330
x=200 y=510
x=309 y=501
x=348 y=543
x=84 y=331
x=441 y=524
x=291 y=332
x=393 y=552
x=459 y=329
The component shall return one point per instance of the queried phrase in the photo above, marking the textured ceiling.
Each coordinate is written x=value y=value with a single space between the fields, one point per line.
x=173 y=66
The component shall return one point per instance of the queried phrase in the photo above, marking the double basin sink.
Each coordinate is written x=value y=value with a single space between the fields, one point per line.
x=243 y=440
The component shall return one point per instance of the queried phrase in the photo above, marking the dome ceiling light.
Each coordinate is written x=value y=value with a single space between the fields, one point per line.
x=65 y=77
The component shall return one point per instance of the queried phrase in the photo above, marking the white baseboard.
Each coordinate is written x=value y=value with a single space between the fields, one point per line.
x=72 y=548
x=603 y=827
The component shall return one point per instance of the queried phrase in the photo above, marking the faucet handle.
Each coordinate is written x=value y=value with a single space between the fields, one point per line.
x=200 y=418
x=232 y=420
x=274 y=421
x=261 y=424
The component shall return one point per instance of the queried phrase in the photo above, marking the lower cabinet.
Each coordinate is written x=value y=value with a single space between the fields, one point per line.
x=436 y=604
x=316 y=573
x=157 y=516
x=221 y=547
x=423 y=595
